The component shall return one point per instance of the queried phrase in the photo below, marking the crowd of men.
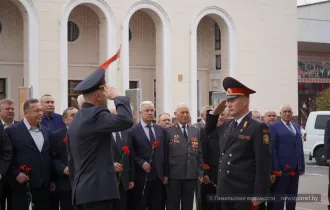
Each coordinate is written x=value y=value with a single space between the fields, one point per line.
x=97 y=158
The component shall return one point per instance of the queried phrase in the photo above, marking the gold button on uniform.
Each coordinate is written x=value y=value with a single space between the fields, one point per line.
x=228 y=172
x=230 y=155
x=229 y=163
x=222 y=153
x=220 y=170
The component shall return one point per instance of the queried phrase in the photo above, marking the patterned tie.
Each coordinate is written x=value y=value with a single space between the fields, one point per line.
x=151 y=134
x=184 y=132
x=290 y=128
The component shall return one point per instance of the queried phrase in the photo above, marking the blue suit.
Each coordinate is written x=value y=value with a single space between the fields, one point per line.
x=287 y=149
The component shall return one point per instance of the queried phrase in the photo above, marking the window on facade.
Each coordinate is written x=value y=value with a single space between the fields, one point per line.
x=73 y=95
x=133 y=84
x=2 y=88
x=73 y=31
x=129 y=35
x=321 y=121
x=218 y=62
x=217 y=36
x=0 y=27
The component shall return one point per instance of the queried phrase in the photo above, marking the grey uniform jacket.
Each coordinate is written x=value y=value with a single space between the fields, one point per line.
x=90 y=148
x=185 y=156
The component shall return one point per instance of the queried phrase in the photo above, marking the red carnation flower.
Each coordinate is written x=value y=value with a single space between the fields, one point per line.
x=126 y=150
x=206 y=167
x=64 y=140
x=292 y=173
x=287 y=166
x=155 y=144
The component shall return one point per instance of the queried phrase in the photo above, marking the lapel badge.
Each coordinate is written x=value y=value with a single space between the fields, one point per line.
x=244 y=137
x=265 y=138
x=194 y=143
x=176 y=140
x=244 y=126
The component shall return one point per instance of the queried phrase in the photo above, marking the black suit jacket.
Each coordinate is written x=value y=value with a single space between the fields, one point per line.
x=142 y=151
x=211 y=154
x=89 y=145
x=6 y=152
x=128 y=174
x=245 y=159
x=26 y=153
x=60 y=159
x=327 y=140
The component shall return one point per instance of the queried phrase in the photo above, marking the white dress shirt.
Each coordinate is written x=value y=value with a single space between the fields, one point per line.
x=146 y=129
x=289 y=125
x=182 y=128
x=36 y=134
x=5 y=125
x=114 y=135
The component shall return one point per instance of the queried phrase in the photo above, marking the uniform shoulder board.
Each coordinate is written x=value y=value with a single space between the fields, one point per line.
x=257 y=119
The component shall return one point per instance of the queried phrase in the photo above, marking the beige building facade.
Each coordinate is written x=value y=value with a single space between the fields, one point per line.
x=173 y=51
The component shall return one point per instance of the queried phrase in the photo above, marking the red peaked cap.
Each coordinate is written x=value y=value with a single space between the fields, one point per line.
x=234 y=88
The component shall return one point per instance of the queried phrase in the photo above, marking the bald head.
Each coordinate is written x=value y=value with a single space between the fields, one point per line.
x=270 y=116
x=147 y=111
x=286 y=112
x=182 y=114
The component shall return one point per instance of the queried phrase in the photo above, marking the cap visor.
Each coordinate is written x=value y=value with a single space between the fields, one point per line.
x=231 y=97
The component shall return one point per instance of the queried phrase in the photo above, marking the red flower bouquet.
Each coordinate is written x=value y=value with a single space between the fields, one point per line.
x=26 y=170
x=154 y=146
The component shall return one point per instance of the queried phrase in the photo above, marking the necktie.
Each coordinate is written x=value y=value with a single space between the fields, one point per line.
x=184 y=132
x=118 y=140
x=151 y=134
x=290 y=128
x=234 y=125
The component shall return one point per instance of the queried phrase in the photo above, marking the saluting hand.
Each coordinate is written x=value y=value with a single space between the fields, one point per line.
x=220 y=107
x=118 y=167
x=111 y=92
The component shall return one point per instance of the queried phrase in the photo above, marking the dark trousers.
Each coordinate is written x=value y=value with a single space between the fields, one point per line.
x=329 y=188
x=208 y=190
x=164 y=200
x=122 y=203
x=40 y=198
x=54 y=200
x=198 y=194
x=153 y=195
x=65 y=200
x=100 y=205
x=6 y=196
x=284 y=186
x=225 y=205
x=181 y=190
x=130 y=199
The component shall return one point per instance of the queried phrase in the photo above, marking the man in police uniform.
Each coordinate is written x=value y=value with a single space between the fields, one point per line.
x=185 y=161
x=245 y=159
x=89 y=144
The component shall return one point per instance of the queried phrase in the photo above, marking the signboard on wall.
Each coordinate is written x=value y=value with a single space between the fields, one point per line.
x=134 y=96
x=313 y=67
x=24 y=93
x=217 y=97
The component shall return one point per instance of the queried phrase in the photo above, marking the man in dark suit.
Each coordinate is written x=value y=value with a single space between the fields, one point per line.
x=7 y=114
x=60 y=160
x=327 y=153
x=185 y=161
x=288 y=155
x=125 y=178
x=89 y=144
x=211 y=154
x=31 y=146
x=200 y=202
x=6 y=154
x=245 y=159
x=151 y=175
